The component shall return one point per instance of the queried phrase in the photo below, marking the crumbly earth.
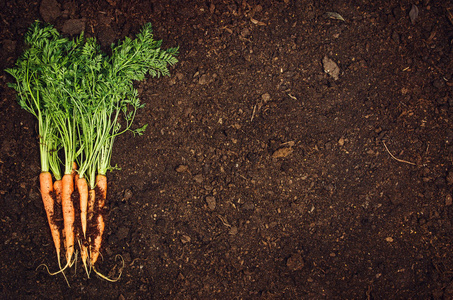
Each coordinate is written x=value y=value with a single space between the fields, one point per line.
x=290 y=155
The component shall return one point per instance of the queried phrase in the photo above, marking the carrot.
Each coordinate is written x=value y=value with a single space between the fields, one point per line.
x=91 y=202
x=90 y=215
x=45 y=180
x=68 y=214
x=101 y=182
x=97 y=241
x=57 y=186
x=82 y=186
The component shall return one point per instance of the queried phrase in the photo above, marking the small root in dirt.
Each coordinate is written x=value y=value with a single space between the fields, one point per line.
x=397 y=159
x=102 y=276
x=57 y=272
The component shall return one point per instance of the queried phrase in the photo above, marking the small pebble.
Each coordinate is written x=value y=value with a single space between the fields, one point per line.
x=210 y=200
x=182 y=168
x=198 y=178
x=180 y=76
x=233 y=230
x=266 y=97
x=248 y=206
x=330 y=67
x=204 y=79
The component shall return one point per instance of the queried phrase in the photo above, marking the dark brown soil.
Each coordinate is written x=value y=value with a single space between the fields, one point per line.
x=260 y=176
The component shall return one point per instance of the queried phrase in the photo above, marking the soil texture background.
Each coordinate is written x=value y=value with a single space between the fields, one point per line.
x=300 y=150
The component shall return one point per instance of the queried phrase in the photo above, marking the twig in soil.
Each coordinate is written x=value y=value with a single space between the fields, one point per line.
x=253 y=113
x=224 y=221
x=397 y=159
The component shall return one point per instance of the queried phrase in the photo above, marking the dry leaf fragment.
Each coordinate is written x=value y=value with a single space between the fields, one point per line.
x=334 y=15
x=256 y=22
x=413 y=13
x=185 y=239
x=289 y=143
x=227 y=29
x=282 y=152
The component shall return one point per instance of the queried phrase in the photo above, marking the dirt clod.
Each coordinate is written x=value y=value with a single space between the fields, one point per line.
x=295 y=262
x=74 y=26
x=49 y=10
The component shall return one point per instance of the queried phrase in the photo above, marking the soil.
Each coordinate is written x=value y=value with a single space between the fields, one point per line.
x=290 y=155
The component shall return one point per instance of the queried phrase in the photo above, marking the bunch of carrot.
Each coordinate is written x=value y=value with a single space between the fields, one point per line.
x=82 y=99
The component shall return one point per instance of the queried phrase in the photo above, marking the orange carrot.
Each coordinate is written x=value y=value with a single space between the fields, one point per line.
x=82 y=186
x=45 y=180
x=68 y=214
x=101 y=182
x=57 y=186
x=95 y=244
x=97 y=241
x=91 y=202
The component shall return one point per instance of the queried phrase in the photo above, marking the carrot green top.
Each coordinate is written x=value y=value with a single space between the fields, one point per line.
x=79 y=94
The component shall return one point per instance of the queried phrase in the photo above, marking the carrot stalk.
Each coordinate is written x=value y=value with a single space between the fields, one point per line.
x=68 y=214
